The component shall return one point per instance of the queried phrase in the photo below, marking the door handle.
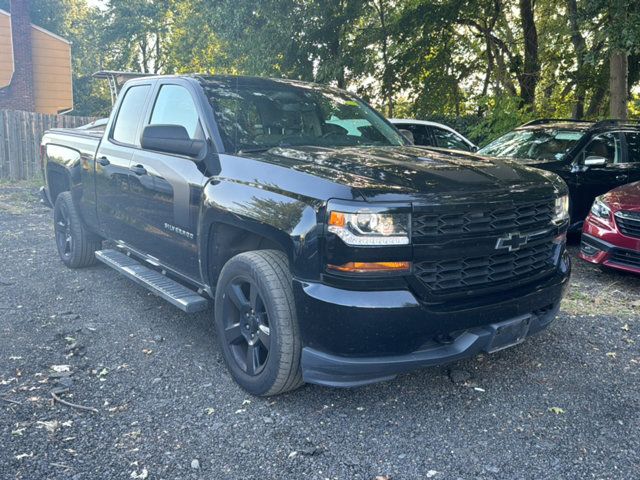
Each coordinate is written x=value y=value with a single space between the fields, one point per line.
x=104 y=161
x=622 y=177
x=139 y=170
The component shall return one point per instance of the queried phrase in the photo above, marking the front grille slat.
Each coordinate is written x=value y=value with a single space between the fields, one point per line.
x=625 y=257
x=491 y=220
x=456 y=271
x=445 y=275
x=628 y=223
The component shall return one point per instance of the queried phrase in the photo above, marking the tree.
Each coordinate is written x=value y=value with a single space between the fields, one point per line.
x=531 y=68
x=618 y=63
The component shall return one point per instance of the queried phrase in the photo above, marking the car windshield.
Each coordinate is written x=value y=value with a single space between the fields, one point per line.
x=261 y=115
x=538 y=144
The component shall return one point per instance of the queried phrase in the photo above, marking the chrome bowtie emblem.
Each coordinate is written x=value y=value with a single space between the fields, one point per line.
x=512 y=241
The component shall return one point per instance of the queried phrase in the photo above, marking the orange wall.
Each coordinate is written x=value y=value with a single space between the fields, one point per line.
x=52 y=84
x=6 y=51
x=51 y=73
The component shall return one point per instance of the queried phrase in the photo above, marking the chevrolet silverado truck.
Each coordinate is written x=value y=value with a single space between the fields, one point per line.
x=329 y=249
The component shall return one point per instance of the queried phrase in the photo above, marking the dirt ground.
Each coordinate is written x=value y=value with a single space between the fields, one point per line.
x=563 y=405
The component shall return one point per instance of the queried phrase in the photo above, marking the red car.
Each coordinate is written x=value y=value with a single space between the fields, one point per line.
x=611 y=232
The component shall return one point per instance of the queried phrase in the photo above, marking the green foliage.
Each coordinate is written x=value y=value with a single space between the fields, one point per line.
x=503 y=114
x=461 y=62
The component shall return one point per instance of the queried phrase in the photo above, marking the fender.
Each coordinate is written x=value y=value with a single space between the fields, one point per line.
x=62 y=168
x=292 y=222
x=70 y=167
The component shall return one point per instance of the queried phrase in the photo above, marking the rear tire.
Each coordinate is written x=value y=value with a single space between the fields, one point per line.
x=76 y=246
x=256 y=323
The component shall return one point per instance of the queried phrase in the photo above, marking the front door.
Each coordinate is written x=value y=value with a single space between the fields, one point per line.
x=166 y=189
x=632 y=155
x=595 y=180
x=113 y=160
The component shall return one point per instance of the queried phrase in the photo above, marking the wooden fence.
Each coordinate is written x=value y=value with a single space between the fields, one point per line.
x=20 y=135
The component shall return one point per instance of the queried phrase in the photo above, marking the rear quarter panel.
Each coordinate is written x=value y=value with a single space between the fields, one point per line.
x=69 y=164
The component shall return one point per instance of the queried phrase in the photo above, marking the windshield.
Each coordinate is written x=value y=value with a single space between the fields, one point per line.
x=539 y=144
x=269 y=114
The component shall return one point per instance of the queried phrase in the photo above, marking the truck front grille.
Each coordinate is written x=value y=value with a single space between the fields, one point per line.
x=628 y=223
x=469 y=271
x=519 y=218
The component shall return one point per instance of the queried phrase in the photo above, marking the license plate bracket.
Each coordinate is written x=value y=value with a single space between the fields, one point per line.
x=509 y=333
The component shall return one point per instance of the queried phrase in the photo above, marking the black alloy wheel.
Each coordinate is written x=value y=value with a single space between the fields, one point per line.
x=256 y=322
x=62 y=227
x=76 y=245
x=246 y=325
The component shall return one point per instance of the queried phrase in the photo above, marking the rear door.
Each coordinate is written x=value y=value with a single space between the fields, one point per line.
x=166 y=189
x=113 y=160
x=599 y=179
x=632 y=155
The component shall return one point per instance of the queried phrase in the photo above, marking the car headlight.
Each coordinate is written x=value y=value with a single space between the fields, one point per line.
x=371 y=229
x=561 y=211
x=600 y=208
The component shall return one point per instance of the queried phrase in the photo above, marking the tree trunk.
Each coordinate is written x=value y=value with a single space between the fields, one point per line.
x=387 y=86
x=579 y=46
x=531 y=69
x=618 y=62
x=143 y=54
x=600 y=87
x=489 y=70
x=618 y=74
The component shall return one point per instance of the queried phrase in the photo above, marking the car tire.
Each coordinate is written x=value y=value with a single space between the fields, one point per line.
x=76 y=246
x=256 y=323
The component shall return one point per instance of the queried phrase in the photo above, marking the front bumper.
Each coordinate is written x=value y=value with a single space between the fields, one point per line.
x=332 y=370
x=596 y=250
x=353 y=338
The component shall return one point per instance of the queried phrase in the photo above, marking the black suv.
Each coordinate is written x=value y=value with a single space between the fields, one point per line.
x=592 y=157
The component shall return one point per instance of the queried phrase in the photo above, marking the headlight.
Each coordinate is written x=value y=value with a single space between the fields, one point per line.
x=600 y=209
x=371 y=229
x=561 y=212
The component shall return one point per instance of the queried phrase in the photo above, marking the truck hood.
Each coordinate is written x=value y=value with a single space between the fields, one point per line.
x=529 y=161
x=401 y=173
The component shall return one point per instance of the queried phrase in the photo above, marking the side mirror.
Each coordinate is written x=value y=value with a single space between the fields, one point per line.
x=408 y=134
x=594 y=161
x=171 y=139
x=474 y=148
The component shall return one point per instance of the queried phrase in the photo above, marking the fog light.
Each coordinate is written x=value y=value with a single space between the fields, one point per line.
x=588 y=250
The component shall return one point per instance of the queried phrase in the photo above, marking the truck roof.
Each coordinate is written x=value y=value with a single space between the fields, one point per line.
x=579 y=125
x=243 y=80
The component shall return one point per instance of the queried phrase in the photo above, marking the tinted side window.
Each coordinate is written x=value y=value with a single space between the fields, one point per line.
x=175 y=106
x=132 y=105
x=633 y=147
x=447 y=139
x=420 y=133
x=606 y=145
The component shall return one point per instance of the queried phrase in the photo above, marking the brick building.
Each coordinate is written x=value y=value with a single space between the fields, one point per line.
x=35 y=64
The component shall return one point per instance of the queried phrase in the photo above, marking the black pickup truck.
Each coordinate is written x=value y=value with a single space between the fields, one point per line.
x=334 y=252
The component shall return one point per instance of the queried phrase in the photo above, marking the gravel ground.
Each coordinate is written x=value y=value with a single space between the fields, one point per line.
x=564 y=404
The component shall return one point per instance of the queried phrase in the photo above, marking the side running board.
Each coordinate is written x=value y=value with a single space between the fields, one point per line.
x=182 y=297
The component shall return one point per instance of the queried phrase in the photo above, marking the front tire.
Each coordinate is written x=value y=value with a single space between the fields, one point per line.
x=76 y=246
x=256 y=323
